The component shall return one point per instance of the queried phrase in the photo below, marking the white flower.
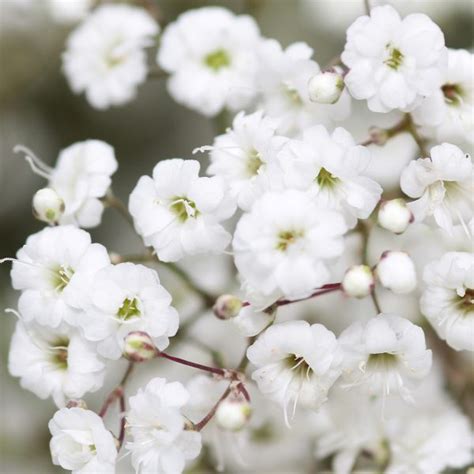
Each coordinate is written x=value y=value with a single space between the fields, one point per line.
x=47 y=205
x=394 y=215
x=179 y=213
x=68 y=11
x=211 y=56
x=161 y=443
x=81 y=443
x=55 y=363
x=105 y=55
x=283 y=83
x=396 y=271
x=326 y=87
x=387 y=355
x=295 y=362
x=51 y=270
x=448 y=300
x=281 y=245
x=250 y=321
x=358 y=281
x=124 y=298
x=393 y=63
x=243 y=154
x=443 y=185
x=332 y=167
x=81 y=177
x=448 y=114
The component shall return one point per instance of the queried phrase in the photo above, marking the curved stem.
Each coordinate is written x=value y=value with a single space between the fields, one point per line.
x=199 y=426
x=195 y=365
x=118 y=392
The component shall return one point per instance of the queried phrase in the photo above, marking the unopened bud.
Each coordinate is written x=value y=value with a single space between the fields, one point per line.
x=396 y=271
x=233 y=414
x=358 y=281
x=76 y=404
x=378 y=136
x=139 y=347
x=395 y=215
x=326 y=87
x=227 y=306
x=48 y=205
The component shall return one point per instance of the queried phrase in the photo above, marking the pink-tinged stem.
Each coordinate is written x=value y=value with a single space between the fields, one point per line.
x=195 y=365
x=199 y=426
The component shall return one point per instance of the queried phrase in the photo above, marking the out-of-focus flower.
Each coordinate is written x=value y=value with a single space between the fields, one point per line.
x=160 y=442
x=179 y=213
x=105 y=56
x=443 y=185
x=448 y=300
x=250 y=321
x=81 y=443
x=396 y=271
x=233 y=413
x=211 y=56
x=393 y=63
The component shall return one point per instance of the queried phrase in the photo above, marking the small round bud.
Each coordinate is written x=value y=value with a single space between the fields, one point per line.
x=396 y=271
x=76 y=404
x=358 y=281
x=379 y=136
x=233 y=414
x=139 y=347
x=48 y=205
x=227 y=306
x=395 y=215
x=325 y=87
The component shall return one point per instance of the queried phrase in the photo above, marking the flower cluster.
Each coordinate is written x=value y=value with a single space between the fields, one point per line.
x=295 y=200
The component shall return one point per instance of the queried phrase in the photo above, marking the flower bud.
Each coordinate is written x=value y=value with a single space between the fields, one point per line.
x=233 y=414
x=396 y=272
x=394 y=215
x=358 y=281
x=47 y=205
x=139 y=347
x=325 y=87
x=227 y=306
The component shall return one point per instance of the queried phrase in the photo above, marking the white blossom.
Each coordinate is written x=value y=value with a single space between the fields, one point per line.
x=105 y=56
x=442 y=185
x=296 y=362
x=250 y=321
x=394 y=215
x=393 y=63
x=68 y=11
x=55 y=363
x=161 y=443
x=124 y=298
x=179 y=213
x=282 y=245
x=396 y=271
x=448 y=114
x=385 y=356
x=243 y=154
x=448 y=300
x=51 y=270
x=283 y=77
x=211 y=56
x=81 y=443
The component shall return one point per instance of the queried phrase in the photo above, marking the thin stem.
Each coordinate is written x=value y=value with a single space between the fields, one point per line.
x=123 y=409
x=411 y=127
x=118 y=392
x=329 y=288
x=375 y=300
x=114 y=202
x=195 y=365
x=367 y=6
x=199 y=426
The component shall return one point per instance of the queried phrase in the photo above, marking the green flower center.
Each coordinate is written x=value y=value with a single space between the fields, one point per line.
x=60 y=353
x=61 y=277
x=286 y=238
x=452 y=94
x=254 y=162
x=382 y=361
x=129 y=309
x=217 y=60
x=292 y=94
x=298 y=365
x=466 y=303
x=395 y=58
x=184 y=208
x=325 y=179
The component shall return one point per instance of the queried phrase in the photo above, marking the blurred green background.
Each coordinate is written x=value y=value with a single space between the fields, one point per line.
x=37 y=109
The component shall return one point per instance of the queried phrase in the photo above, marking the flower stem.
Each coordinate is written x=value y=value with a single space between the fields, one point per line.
x=199 y=426
x=118 y=392
x=195 y=365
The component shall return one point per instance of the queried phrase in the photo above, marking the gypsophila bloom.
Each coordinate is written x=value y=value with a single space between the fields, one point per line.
x=282 y=244
x=331 y=167
x=211 y=56
x=443 y=185
x=105 y=56
x=386 y=356
x=51 y=270
x=448 y=300
x=448 y=114
x=179 y=213
x=161 y=442
x=396 y=271
x=250 y=321
x=296 y=362
x=394 y=215
x=393 y=63
x=68 y=11
x=55 y=363
x=243 y=154
x=124 y=298
x=283 y=84
x=81 y=443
